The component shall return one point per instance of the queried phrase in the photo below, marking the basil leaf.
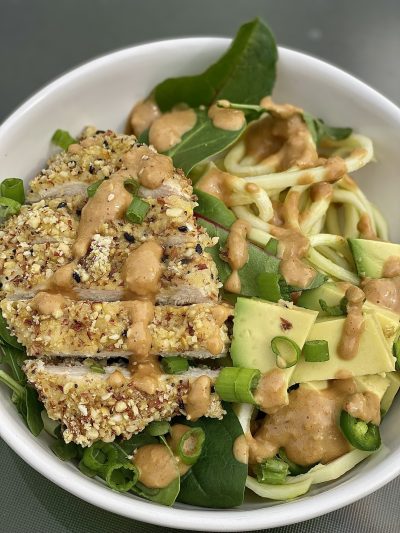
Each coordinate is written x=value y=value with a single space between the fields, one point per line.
x=217 y=479
x=202 y=141
x=244 y=74
x=319 y=129
x=259 y=261
x=214 y=209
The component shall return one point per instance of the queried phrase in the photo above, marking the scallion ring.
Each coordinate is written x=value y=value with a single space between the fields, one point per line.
x=63 y=139
x=237 y=385
x=272 y=471
x=316 y=351
x=13 y=188
x=286 y=350
x=120 y=476
x=137 y=211
x=99 y=455
x=132 y=186
x=191 y=445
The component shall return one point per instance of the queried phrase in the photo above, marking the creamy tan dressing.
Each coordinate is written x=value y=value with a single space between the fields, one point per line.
x=391 y=267
x=143 y=115
x=214 y=343
x=142 y=270
x=198 y=398
x=365 y=228
x=281 y=110
x=353 y=326
x=116 y=379
x=365 y=406
x=166 y=131
x=335 y=168
x=226 y=118
x=157 y=466
x=218 y=184
x=307 y=427
x=151 y=169
x=237 y=253
x=271 y=391
x=48 y=304
x=384 y=292
x=241 y=449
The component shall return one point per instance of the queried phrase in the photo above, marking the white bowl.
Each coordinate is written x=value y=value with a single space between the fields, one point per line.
x=101 y=93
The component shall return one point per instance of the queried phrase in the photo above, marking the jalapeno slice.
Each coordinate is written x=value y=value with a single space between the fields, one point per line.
x=362 y=435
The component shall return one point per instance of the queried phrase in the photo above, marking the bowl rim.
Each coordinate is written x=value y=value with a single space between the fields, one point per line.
x=195 y=518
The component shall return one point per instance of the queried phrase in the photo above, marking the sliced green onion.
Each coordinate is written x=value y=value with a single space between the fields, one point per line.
x=191 y=445
x=294 y=468
x=361 y=435
x=13 y=188
x=85 y=470
x=91 y=190
x=273 y=471
x=120 y=476
x=62 y=139
x=268 y=287
x=396 y=352
x=8 y=208
x=132 y=186
x=65 y=451
x=97 y=368
x=99 y=455
x=236 y=385
x=334 y=310
x=137 y=210
x=174 y=364
x=158 y=427
x=287 y=351
x=316 y=351
x=272 y=246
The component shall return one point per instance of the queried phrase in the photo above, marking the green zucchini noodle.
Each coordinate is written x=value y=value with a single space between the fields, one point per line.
x=327 y=219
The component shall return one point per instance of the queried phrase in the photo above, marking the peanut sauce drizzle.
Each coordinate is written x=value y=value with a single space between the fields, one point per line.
x=226 y=118
x=354 y=324
x=166 y=131
x=143 y=115
x=385 y=291
x=237 y=253
x=365 y=228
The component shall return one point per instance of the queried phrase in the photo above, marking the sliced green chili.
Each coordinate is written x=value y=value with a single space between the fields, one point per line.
x=91 y=190
x=286 y=350
x=273 y=471
x=85 y=470
x=8 y=208
x=174 y=364
x=362 y=435
x=334 y=310
x=137 y=210
x=294 y=468
x=62 y=139
x=237 y=385
x=158 y=427
x=132 y=186
x=316 y=351
x=99 y=455
x=191 y=445
x=13 y=188
x=120 y=476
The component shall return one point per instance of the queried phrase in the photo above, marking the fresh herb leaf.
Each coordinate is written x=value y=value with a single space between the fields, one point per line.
x=334 y=310
x=259 y=261
x=214 y=209
x=244 y=74
x=217 y=479
x=320 y=130
x=202 y=141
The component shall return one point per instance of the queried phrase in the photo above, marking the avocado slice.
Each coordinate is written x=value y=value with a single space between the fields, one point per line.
x=374 y=354
x=370 y=256
x=394 y=385
x=257 y=322
x=332 y=293
x=377 y=383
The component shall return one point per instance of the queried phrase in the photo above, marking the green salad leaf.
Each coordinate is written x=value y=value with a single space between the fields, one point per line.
x=319 y=130
x=212 y=208
x=202 y=141
x=244 y=74
x=217 y=479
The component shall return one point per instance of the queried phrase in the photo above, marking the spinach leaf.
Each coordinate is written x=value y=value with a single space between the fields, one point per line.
x=165 y=496
x=14 y=359
x=259 y=261
x=318 y=280
x=136 y=441
x=244 y=74
x=214 y=209
x=217 y=479
x=319 y=129
x=202 y=141
x=6 y=335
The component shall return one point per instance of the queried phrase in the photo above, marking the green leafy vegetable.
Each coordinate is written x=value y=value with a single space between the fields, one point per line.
x=137 y=441
x=65 y=451
x=6 y=335
x=13 y=188
x=217 y=479
x=319 y=130
x=63 y=139
x=334 y=310
x=174 y=364
x=91 y=190
x=8 y=208
x=244 y=74
x=213 y=209
x=165 y=496
x=158 y=427
x=259 y=260
x=202 y=141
